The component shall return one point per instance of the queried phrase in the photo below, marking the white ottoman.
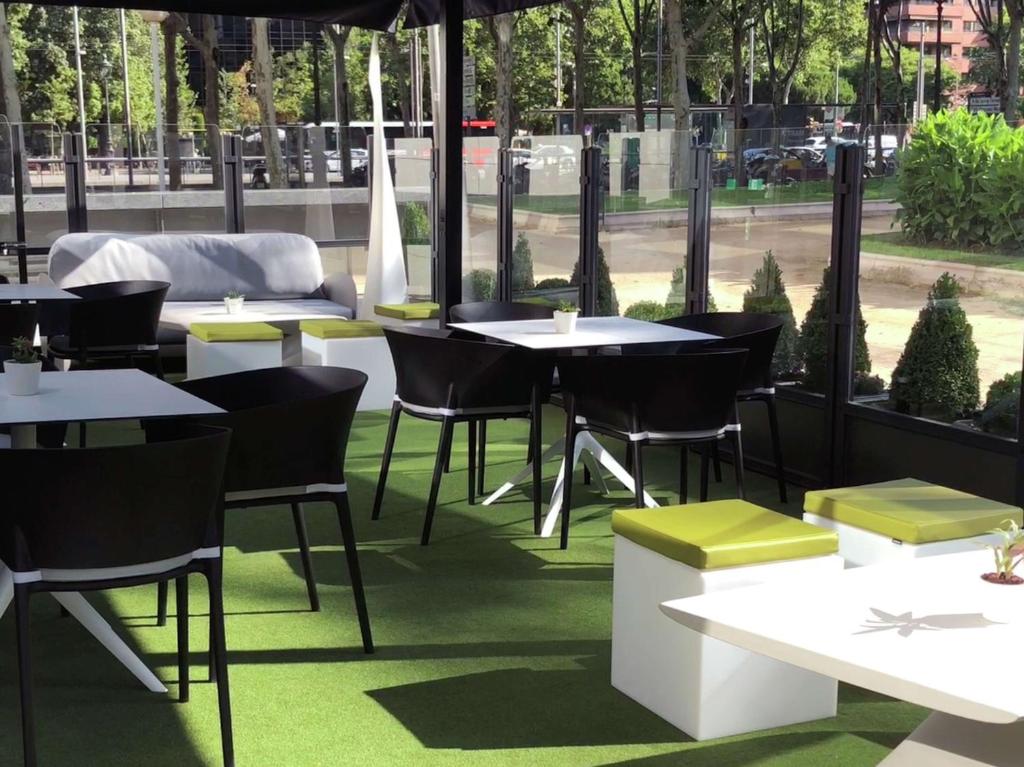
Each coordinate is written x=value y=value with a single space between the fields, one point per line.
x=424 y=314
x=703 y=686
x=905 y=518
x=217 y=348
x=353 y=344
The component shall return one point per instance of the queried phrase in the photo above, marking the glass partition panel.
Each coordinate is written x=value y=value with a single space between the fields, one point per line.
x=546 y=217
x=941 y=296
x=410 y=162
x=480 y=222
x=46 y=216
x=8 y=221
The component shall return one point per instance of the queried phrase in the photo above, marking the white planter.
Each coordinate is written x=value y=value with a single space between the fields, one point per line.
x=565 y=322
x=234 y=305
x=22 y=378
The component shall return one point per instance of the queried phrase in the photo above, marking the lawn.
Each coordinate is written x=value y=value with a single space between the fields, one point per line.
x=895 y=244
x=493 y=645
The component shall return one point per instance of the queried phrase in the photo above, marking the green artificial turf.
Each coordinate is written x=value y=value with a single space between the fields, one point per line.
x=492 y=645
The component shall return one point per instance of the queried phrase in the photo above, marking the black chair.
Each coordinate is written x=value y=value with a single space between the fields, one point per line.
x=452 y=380
x=18 y=321
x=758 y=334
x=679 y=399
x=117 y=517
x=493 y=311
x=290 y=429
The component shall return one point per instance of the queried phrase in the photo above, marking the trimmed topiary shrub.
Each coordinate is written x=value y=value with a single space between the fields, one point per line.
x=960 y=181
x=812 y=346
x=607 y=302
x=677 y=293
x=415 y=224
x=652 y=311
x=552 y=283
x=767 y=295
x=1001 y=404
x=938 y=371
x=522 y=266
x=483 y=283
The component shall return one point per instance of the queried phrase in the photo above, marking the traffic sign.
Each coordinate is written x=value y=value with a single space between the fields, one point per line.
x=991 y=105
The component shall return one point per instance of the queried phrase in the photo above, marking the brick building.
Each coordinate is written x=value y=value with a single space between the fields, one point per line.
x=961 y=30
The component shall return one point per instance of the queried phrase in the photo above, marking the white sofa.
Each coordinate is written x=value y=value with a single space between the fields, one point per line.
x=279 y=273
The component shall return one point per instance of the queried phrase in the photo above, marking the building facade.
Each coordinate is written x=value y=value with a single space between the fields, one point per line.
x=962 y=33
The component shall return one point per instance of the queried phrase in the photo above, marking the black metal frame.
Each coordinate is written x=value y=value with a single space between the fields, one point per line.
x=448 y=204
x=698 y=230
x=234 y=185
x=590 y=211
x=74 y=182
x=506 y=192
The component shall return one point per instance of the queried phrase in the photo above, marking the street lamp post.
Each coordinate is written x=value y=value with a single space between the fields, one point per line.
x=155 y=19
x=938 y=56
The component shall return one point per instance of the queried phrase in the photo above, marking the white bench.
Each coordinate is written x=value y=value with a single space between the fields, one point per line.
x=218 y=348
x=353 y=344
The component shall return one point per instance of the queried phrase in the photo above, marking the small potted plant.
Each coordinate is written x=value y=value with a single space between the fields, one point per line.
x=1008 y=555
x=565 y=317
x=234 y=301
x=21 y=372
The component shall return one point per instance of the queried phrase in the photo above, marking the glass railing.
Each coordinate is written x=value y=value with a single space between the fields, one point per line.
x=480 y=229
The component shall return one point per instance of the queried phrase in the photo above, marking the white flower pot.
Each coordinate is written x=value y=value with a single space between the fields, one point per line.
x=22 y=378
x=234 y=305
x=565 y=322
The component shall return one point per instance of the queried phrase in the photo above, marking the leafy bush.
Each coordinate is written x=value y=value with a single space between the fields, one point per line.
x=652 y=311
x=767 y=295
x=960 y=181
x=812 y=346
x=522 y=266
x=607 y=302
x=937 y=374
x=483 y=284
x=552 y=283
x=1001 y=402
x=415 y=224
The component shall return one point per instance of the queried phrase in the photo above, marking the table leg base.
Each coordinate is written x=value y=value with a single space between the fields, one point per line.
x=943 y=740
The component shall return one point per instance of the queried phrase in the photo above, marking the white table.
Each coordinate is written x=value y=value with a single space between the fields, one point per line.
x=928 y=631
x=591 y=332
x=33 y=291
x=93 y=395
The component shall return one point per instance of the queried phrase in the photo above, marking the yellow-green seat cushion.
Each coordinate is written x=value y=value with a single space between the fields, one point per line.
x=341 y=328
x=420 y=311
x=910 y=510
x=220 y=332
x=723 y=534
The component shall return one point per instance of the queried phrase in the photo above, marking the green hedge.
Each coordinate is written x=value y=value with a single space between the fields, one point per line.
x=960 y=182
x=415 y=224
x=1001 y=403
x=652 y=311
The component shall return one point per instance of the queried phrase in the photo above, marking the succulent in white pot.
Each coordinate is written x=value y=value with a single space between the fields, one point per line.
x=22 y=370
x=565 y=317
x=234 y=302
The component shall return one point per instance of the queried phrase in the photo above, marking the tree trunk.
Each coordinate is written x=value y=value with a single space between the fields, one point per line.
x=877 y=53
x=866 y=73
x=787 y=87
x=579 y=31
x=1016 y=10
x=680 y=44
x=739 y=166
x=211 y=106
x=339 y=40
x=502 y=28
x=11 y=100
x=263 y=77
x=172 y=107
x=638 y=76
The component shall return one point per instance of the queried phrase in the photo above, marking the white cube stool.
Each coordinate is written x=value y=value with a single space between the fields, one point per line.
x=353 y=344
x=703 y=686
x=905 y=518
x=217 y=348
x=424 y=314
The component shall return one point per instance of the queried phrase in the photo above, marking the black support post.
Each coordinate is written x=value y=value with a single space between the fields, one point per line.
x=505 y=198
x=74 y=182
x=18 y=152
x=844 y=269
x=448 y=213
x=590 y=200
x=435 y=195
x=698 y=230
x=234 y=185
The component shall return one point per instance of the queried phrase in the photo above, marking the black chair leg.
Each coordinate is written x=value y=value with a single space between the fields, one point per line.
x=717 y=461
x=444 y=445
x=385 y=464
x=355 y=576
x=161 y=603
x=684 y=456
x=471 y=461
x=535 y=451
x=481 y=457
x=629 y=460
x=636 y=449
x=704 y=458
x=773 y=425
x=158 y=365
x=81 y=434
x=219 y=653
x=28 y=722
x=307 y=560
x=570 y=445
x=181 y=617
x=737 y=462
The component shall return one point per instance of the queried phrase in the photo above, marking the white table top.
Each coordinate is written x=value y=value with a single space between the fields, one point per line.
x=181 y=314
x=929 y=631
x=33 y=291
x=99 y=395
x=590 y=331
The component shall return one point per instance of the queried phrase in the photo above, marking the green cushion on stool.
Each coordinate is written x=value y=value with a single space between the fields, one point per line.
x=420 y=311
x=219 y=332
x=911 y=510
x=341 y=328
x=723 y=534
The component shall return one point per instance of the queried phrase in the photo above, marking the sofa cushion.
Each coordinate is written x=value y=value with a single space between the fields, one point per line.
x=200 y=267
x=227 y=332
x=333 y=329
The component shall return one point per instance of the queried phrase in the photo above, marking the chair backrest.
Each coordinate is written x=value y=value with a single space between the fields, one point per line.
x=109 y=314
x=499 y=311
x=18 y=321
x=113 y=506
x=435 y=369
x=757 y=333
x=655 y=393
x=289 y=425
